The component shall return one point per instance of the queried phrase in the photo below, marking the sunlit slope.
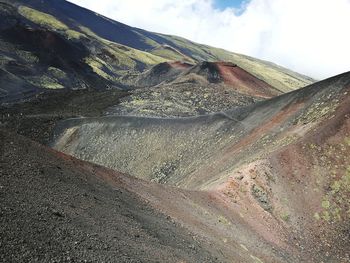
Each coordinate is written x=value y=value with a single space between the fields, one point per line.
x=131 y=43
x=193 y=152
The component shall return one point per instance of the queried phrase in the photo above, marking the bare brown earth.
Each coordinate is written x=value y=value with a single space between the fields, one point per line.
x=273 y=176
x=179 y=64
x=55 y=208
x=244 y=82
x=263 y=183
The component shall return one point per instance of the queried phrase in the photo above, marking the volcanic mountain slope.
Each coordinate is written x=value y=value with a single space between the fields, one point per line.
x=265 y=178
x=161 y=73
x=276 y=191
x=181 y=89
x=55 y=44
x=282 y=160
x=37 y=58
x=206 y=136
x=37 y=117
x=55 y=208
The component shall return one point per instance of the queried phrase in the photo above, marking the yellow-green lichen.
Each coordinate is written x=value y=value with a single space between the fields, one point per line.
x=49 y=21
x=27 y=56
x=256 y=259
x=88 y=32
x=224 y=220
x=97 y=66
x=45 y=82
x=170 y=53
x=326 y=204
x=125 y=56
x=326 y=216
x=72 y=34
x=41 y=18
x=317 y=216
x=285 y=216
x=57 y=73
x=347 y=141
x=336 y=187
x=319 y=110
x=336 y=201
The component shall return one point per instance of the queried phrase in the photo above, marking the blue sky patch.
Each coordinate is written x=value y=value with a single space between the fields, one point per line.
x=222 y=4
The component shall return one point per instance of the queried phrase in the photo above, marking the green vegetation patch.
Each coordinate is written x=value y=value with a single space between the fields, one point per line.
x=335 y=204
x=285 y=216
x=170 y=54
x=97 y=66
x=223 y=220
x=146 y=40
x=41 y=18
x=48 y=21
x=57 y=73
x=347 y=141
x=45 y=82
x=124 y=57
x=145 y=57
x=27 y=56
x=322 y=109
x=72 y=34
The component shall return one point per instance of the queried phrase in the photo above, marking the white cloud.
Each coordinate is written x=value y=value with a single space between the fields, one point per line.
x=308 y=36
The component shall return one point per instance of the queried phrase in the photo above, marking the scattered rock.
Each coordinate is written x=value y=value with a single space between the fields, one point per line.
x=239 y=177
x=262 y=197
x=57 y=213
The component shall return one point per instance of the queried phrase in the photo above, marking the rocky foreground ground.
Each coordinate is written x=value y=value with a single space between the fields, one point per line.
x=263 y=183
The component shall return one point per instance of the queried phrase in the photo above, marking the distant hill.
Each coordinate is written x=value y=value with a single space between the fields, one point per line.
x=56 y=44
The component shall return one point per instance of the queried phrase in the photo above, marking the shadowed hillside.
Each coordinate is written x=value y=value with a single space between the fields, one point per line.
x=57 y=208
x=55 y=44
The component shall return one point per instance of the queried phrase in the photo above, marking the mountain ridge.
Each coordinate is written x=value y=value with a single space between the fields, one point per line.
x=114 y=52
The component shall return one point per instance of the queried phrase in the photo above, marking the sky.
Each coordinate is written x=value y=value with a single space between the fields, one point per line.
x=308 y=36
x=222 y=4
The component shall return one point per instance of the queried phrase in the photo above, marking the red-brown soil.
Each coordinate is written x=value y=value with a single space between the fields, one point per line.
x=180 y=65
x=57 y=208
x=231 y=76
x=244 y=82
